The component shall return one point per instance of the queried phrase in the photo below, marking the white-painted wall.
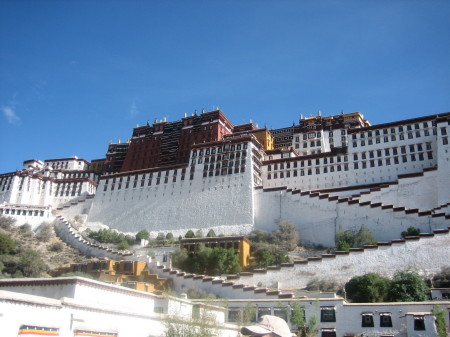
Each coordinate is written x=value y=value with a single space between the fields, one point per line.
x=223 y=203
x=317 y=220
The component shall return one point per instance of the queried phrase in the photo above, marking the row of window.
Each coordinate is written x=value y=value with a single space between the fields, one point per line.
x=412 y=148
x=392 y=138
x=393 y=130
x=219 y=157
x=309 y=162
x=7 y=211
x=224 y=164
x=327 y=315
x=224 y=148
x=356 y=165
x=150 y=181
x=223 y=172
x=151 y=175
x=6 y=180
x=394 y=151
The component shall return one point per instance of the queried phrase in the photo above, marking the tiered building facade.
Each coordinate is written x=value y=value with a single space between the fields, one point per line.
x=203 y=172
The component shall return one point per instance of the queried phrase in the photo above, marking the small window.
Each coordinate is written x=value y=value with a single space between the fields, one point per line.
x=367 y=321
x=385 y=320
x=419 y=323
x=327 y=314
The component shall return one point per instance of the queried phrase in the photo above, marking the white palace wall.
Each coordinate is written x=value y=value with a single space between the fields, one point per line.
x=317 y=217
x=223 y=203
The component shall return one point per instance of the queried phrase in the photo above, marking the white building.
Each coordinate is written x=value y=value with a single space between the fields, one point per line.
x=77 y=306
x=80 y=307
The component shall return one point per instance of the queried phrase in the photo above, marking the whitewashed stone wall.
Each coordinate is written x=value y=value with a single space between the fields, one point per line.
x=76 y=207
x=411 y=192
x=223 y=203
x=318 y=217
x=426 y=255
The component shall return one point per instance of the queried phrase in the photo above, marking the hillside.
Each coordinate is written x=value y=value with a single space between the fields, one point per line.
x=52 y=251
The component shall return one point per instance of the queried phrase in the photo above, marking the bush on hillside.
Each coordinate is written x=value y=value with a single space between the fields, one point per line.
x=442 y=279
x=368 y=288
x=6 y=223
x=407 y=286
x=411 y=231
x=354 y=239
x=7 y=245
x=142 y=235
x=45 y=232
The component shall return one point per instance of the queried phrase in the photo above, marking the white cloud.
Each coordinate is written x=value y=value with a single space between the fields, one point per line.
x=133 y=110
x=10 y=114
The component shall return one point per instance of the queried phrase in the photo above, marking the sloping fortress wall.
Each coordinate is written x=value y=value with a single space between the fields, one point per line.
x=426 y=254
x=318 y=216
x=215 y=191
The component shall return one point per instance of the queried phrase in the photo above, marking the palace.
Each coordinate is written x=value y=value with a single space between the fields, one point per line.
x=202 y=172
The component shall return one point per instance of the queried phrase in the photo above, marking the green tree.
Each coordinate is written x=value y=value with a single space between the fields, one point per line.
x=160 y=237
x=207 y=260
x=368 y=288
x=439 y=316
x=297 y=316
x=7 y=245
x=169 y=237
x=225 y=261
x=179 y=256
x=123 y=245
x=27 y=263
x=411 y=231
x=211 y=233
x=189 y=234
x=364 y=237
x=407 y=286
x=142 y=235
x=199 y=233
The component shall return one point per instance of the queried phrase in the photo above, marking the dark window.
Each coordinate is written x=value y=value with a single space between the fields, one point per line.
x=327 y=315
x=385 y=321
x=419 y=323
x=328 y=333
x=367 y=321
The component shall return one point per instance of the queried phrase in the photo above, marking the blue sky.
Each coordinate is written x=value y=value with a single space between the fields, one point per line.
x=76 y=74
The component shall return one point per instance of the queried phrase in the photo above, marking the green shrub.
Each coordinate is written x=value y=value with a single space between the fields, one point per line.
x=354 y=239
x=407 y=286
x=189 y=234
x=368 y=288
x=7 y=245
x=411 y=231
x=56 y=247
